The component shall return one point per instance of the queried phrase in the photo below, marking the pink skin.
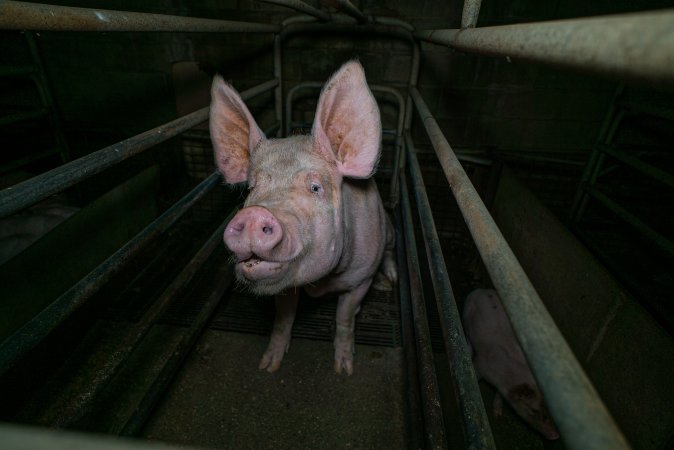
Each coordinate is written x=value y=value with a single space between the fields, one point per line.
x=313 y=217
x=498 y=358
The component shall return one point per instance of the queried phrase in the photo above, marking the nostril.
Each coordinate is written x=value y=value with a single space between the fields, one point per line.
x=267 y=229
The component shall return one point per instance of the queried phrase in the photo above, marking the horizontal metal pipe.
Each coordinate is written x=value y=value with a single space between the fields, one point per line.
x=638 y=46
x=223 y=280
x=576 y=407
x=428 y=381
x=31 y=334
x=300 y=6
x=471 y=10
x=43 y=17
x=658 y=239
x=75 y=407
x=318 y=85
x=645 y=168
x=19 y=196
x=477 y=431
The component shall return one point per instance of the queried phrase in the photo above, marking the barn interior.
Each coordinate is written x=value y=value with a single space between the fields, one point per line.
x=122 y=324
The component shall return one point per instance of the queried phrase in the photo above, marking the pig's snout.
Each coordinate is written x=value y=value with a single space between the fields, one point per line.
x=253 y=232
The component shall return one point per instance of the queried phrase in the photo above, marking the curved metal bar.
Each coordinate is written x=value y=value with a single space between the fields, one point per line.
x=42 y=17
x=300 y=6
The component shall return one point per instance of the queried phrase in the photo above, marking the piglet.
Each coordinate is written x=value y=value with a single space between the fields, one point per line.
x=498 y=359
x=313 y=217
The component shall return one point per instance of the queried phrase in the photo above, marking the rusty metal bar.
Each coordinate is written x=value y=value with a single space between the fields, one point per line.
x=637 y=46
x=72 y=408
x=471 y=10
x=22 y=195
x=477 y=431
x=31 y=334
x=43 y=17
x=428 y=381
x=224 y=278
x=658 y=239
x=414 y=416
x=318 y=85
x=348 y=8
x=645 y=168
x=584 y=421
x=300 y=6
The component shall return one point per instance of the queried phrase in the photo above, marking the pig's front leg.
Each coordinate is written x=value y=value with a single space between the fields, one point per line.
x=286 y=307
x=348 y=306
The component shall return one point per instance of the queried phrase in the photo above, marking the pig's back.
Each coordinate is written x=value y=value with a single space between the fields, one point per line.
x=496 y=351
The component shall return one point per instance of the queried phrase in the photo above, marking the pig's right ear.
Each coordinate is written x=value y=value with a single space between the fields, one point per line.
x=234 y=132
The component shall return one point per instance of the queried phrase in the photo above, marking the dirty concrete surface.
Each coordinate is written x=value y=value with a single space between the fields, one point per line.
x=221 y=400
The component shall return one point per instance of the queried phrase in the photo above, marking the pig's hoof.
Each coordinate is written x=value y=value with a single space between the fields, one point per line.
x=381 y=283
x=272 y=357
x=344 y=357
x=344 y=363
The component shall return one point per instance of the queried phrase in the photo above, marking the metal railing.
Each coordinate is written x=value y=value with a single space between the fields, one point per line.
x=637 y=46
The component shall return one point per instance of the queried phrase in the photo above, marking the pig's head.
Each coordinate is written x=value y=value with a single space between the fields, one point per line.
x=527 y=401
x=291 y=229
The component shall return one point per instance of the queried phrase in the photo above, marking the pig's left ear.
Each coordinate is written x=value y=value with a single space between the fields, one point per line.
x=347 y=126
x=234 y=132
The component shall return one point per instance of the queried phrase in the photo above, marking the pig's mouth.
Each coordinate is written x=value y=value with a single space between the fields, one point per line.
x=255 y=268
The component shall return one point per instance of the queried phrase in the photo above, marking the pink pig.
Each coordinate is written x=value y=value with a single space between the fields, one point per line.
x=498 y=358
x=313 y=217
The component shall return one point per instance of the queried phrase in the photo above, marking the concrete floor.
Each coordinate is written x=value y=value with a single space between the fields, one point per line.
x=220 y=399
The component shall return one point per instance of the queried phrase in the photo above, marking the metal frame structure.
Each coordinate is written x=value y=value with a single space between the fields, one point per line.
x=582 y=418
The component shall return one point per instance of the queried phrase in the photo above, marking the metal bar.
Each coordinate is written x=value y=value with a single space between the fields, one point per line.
x=278 y=74
x=43 y=17
x=44 y=88
x=637 y=46
x=223 y=281
x=660 y=111
x=37 y=156
x=645 y=168
x=318 y=85
x=414 y=416
x=348 y=8
x=295 y=26
x=477 y=431
x=658 y=239
x=430 y=391
x=300 y=6
x=31 y=334
x=575 y=405
x=14 y=436
x=19 y=196
x=471 y=11
x=76 y=406
x=21 y=116
x=606 y=134
x=14 y=71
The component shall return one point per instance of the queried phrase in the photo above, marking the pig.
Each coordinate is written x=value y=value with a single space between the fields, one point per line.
x=499 y=360
x=313 y=218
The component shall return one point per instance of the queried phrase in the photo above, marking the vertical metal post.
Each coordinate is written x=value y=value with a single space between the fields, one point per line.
x=471 y=10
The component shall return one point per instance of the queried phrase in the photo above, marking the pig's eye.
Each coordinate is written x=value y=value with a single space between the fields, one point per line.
x=315 y=187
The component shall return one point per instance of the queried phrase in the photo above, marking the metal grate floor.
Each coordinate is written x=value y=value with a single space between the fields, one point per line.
x=378 y=322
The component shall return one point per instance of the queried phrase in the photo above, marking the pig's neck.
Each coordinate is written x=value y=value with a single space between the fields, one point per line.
x=362 y=220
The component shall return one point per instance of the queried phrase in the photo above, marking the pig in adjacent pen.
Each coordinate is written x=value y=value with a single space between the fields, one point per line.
x=313 y=218
x=499 y=360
